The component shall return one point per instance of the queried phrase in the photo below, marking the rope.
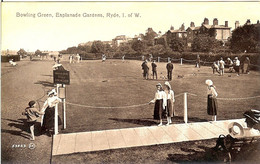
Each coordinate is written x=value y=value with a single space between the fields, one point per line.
x=191 y=94
x=102 y=107
x=188 y=60
x=255 y=65
x=243 y=98
x=230 y=99
x=178 y=95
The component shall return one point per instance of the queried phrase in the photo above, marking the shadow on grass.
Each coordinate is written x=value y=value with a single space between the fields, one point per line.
x=45 y=83
x=22 y=126
x=179 y=119
x=150 y=121
x=191 y=155
x=48 y=75
x=136 y=121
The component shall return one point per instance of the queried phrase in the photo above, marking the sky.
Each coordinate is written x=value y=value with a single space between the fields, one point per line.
x=56 y=33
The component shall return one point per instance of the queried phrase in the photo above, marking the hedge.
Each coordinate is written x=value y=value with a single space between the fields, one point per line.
x=9 y=57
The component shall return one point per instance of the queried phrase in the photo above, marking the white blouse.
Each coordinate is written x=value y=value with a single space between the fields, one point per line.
x=51 y=102
x=212 y=91
x=158 y=96
x=170 y=95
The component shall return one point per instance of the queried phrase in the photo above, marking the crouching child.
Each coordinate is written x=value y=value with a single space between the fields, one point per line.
x=32 y=113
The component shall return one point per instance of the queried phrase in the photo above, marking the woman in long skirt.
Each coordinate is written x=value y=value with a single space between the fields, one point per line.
x=170 y=100
x=212 y=105
x=49 y=109
x=159 y=103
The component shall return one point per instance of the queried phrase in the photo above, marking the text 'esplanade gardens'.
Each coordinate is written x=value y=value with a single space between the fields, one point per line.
x=65 y=15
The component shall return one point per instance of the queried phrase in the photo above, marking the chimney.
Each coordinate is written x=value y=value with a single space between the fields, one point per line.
x=257 y=21
x=215 y=21
x=236 y=24
x=182 y=27
x=192 y=24
x=172 y=28
x=226 y=23
x=248 y=22
x=206 y=21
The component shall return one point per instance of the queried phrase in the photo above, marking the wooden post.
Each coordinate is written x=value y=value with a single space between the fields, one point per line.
x=181 y=61
x=158 y=59
x=185 y=108
x=64 y=110
x=56 y=115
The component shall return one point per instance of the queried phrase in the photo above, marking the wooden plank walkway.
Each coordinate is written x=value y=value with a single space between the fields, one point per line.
x=135 y=137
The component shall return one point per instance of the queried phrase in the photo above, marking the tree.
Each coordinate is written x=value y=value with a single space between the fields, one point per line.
x=149 y=37
x=205 y=43
x=177 y=44
x=22 y=52
x=72 y=50
x=38 y=52
x=246 y=38
x=138 y=46
x=97 y=47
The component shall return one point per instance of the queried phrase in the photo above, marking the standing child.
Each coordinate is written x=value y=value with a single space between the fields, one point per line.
x=212 y=104
x=170 y=101
x=32 y=114
x=221 y=66
x=159 y=103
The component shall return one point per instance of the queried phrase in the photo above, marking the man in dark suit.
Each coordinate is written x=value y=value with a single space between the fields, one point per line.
x=169 y=67
x=154 y=69
x=146 y=69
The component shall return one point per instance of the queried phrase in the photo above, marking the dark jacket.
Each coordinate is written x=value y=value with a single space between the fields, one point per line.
x=169 y=66
x=154 y=67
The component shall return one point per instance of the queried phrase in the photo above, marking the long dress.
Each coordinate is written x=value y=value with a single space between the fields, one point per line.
x=49 y=116
x=160 y=102
x=170 y=106
x=212 y=105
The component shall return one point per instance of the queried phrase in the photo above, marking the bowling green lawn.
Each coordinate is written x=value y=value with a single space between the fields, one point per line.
x=113 y=95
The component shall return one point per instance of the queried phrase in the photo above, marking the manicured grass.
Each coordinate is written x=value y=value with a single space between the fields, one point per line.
x=117 y=84
x=113 y=84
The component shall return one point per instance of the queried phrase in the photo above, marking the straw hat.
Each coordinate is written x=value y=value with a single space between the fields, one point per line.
x=209 y=82
x=235 y=130
x=53 y=91
x=159 y=84
x=168 y=85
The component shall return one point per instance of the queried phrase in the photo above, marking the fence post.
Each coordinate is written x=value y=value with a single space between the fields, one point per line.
x=185 y=108
x=64 y=110
x=158 y=59
x=181 y=61
x=169 y=59
x=56 y=115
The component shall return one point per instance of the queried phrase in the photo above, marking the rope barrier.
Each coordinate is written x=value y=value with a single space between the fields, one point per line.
x=102 y=107
x=243 y=98
x=255 y=65
x=178 y=95
x=188 y=60
x=231 y=99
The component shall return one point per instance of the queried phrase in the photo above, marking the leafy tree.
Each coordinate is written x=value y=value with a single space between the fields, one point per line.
x=149 y=37
x=72 y=50
x=22 y=52
x=205 y=43
x=97 y=47
x=83 y=49
x=246 y=38
x=38 y=52
x=138 y=46
x=177 y=44
x=157 y=50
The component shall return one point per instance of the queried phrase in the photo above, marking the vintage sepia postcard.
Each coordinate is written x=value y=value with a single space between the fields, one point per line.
x=130 y=82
